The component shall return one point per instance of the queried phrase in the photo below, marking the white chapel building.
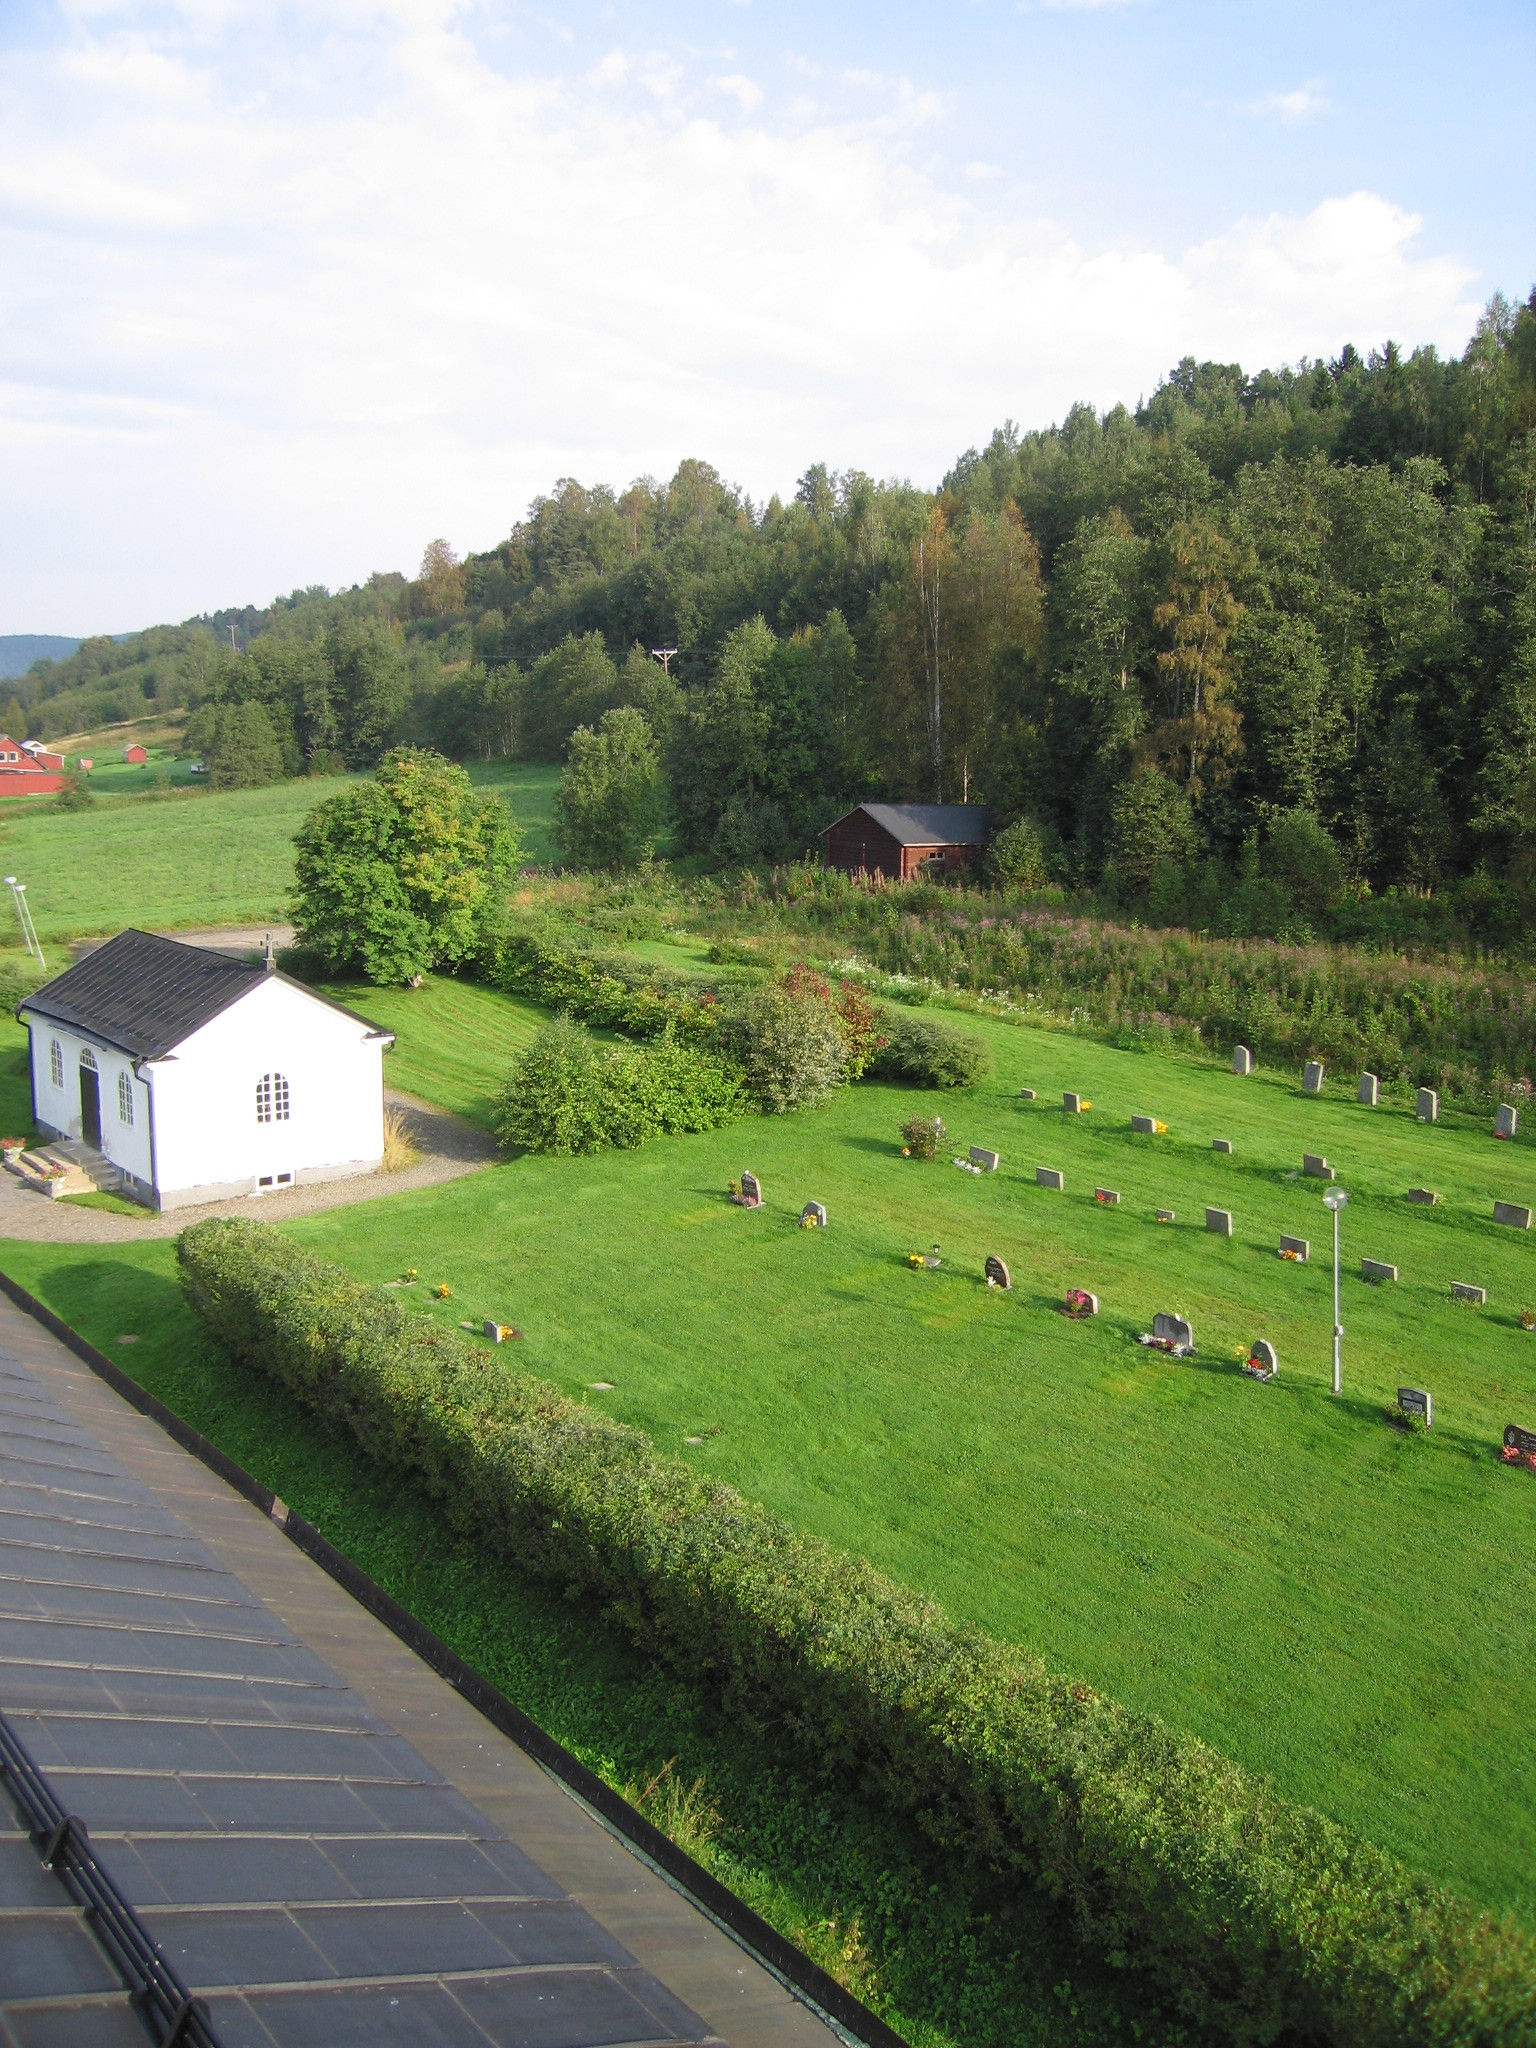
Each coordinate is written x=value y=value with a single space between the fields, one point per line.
x=200 y=1076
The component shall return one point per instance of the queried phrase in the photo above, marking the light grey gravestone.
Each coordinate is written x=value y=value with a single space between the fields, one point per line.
x=1312 y=1077
x=1108 y=1196
x=1165 y=1216
x=1427 y=1106
x=989 y=1162
x=491 y=1330
x=814 y=1216
x=1026 y=1095
x=1376 y=1269
x=1368 y=1091
x=1071 y=1103
x=1315 y=1166
x=1146 y=1124
x=1221 y=1144
x=1464 y=1290
x=1219 y=1221
x=1242 y=1060
x=1299 y=1247
x=1506 y=1120
x=1167 y=1329
x=996 y=1273
x=1048 y=1177
x=1512 y=1214
x=1415 y=1401
x=1263 y=1359
x=1425 y=1197
x=1079 y=1302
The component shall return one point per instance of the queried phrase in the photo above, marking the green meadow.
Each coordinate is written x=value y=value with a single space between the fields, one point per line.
x=1336 y=1604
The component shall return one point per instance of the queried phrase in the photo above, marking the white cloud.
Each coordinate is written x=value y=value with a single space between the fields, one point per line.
x=1300 y=104
x=282 y=321
x=744 y=91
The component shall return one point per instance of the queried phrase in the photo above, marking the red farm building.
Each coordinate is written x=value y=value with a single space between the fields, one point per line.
x=20 y=775
x=134 y=753
x=900 y=841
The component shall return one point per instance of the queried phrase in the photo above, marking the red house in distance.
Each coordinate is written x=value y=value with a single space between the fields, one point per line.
x=897 y=842
x=135 y=754
x=20 y=774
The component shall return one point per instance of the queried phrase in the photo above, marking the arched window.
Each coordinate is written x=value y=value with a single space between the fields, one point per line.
x=56 y=1064
x=87 y=1058
x=125 y=1096
x=272 y=1099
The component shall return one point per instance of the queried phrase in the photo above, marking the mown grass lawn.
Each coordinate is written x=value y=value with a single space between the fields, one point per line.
x=455 y=1041
x=1333 y=1603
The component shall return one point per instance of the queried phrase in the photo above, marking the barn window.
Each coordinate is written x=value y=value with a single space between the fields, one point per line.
x=56 y=1064
x=272 y=1099
x=125 y=1097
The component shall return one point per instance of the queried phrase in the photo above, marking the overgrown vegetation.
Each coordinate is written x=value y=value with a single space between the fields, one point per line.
x=1257 y=1918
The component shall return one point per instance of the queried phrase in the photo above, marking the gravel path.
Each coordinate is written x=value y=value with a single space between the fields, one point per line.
x=449 y=1148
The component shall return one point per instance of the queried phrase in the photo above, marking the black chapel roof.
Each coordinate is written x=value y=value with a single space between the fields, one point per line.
x=145 y=994
x=930 y=824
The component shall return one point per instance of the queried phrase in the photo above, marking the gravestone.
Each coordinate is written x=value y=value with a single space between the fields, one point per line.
x=1107 y=1196
x=1427 y=1106
x=1071 y=1103
x=1165 y=1216
x=1376 y=1269
x=1464 y=1290
x=1315 y=1166
x=1425 y=1197
x=1512 y=1214
x=996 y=1273
x=1167 y=1329
x=1415 y=1401
x=1506 y=1120
x=814 y=1216
x=1313 y=1076
x=1521 y=1441
x=1220 y=1221
x=1146 y=1124
x=1026 y=1094
x=491 y=1330
x=1221 y=1144
x=1242 y=1060
x=1263 y=1359
x=1301 y=1247
x=751 y=1195
x=1048 y=1177
x=1368 y=1091
x=1080 y=1302
x=988 y=1162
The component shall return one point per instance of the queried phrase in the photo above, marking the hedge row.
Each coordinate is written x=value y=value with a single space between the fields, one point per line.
x=567 y=1093
x=1261 y=1920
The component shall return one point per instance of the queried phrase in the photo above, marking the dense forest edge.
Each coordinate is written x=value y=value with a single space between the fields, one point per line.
x=1257 y=659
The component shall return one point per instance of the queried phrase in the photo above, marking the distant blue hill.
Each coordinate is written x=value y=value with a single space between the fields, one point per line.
x=18 y=651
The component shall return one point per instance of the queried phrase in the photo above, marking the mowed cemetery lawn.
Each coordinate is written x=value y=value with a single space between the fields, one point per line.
x=200 y=859
x=455 y=1041
x=1336 y=1604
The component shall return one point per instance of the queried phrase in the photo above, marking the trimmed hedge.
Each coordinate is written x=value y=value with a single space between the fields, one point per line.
x=1261 y=1920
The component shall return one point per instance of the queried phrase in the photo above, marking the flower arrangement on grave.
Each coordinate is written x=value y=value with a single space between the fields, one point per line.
x=916 y=1261
x=1165 y=1215
x=733 y=1187
x=1406 y=1418
x=1159 y=1130
x=442 y=1291
x=1511 y=1454
x=1100 y=1195
x=1256 y=1369
x=1528 y=1319
x=1287 y=1253
x=409 y=1277
x=1078 y=1302
x=924 y=1135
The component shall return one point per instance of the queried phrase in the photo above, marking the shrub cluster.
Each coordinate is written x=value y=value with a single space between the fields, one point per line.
x=929 y=1052
x=568 y=1093
x=1262 y=1920
x=611 y=990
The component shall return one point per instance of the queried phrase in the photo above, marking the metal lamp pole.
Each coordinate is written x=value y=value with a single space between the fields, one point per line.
x=1336 y=1198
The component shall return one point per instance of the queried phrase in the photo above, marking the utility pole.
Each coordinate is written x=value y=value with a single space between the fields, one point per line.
x=664 y=656
x=232 y=647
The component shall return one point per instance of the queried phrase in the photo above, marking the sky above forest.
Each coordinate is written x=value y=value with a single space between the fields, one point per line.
x=285 y=292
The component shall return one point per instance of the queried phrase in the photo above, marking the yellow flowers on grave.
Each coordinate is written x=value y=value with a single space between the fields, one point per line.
x=409 y=1276
x=1084 y=1104
x=442 y=1291
x=1159 y=1130
x=1287 y=1254
x=915 y=1261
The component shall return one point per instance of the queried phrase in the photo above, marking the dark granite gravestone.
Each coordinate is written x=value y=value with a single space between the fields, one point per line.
x=1299 y=1247
x=1165 y=1216
x=1173 y=1331
x=813 y=1216
x=1048 y=1177
x=1108 y=1196
x=1521 y=1441
x=751 y=1193
x=1377 y=1270
x=1512 y=1214
x=1312 y=1077
x=1147 y=1125
x=1079 y=1302
x=1368 y=1090
x=988 y=1162
x=1263 y=1360
x=1506 y=1120
x=1071 y=1103
x=1427 y=1106
x=1221 y=1144
x=1465 y=1290
x=1315 y=1166
x=996 y=1273
x=1219 y=1221
x=1414 y=1401
x=1425 y=1197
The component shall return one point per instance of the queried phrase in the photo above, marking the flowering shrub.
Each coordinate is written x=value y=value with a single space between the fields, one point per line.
x=924 y=1135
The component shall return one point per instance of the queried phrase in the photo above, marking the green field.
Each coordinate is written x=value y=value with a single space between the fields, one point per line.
x=1335 y=1604
x=454 y=1040
x=114 y=865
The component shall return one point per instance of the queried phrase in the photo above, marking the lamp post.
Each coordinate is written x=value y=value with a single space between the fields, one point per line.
x=1336 y=1198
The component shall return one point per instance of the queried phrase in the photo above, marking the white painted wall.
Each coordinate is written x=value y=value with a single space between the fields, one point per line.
x=202 y=1097
x=207 y=1136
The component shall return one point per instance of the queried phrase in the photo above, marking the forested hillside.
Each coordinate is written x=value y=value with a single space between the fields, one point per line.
x=1275 y=626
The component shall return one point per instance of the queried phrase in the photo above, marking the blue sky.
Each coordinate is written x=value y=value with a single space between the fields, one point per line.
x=284 y=293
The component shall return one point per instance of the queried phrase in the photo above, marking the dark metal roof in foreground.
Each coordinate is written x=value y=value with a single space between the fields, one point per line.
x=146 y=994
x=302 y=1867
x=928 y=824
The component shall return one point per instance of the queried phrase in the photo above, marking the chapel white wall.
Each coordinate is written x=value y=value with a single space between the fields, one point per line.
x=58 y=1109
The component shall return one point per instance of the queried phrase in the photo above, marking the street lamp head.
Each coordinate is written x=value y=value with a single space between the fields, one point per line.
x=1335 y=1198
